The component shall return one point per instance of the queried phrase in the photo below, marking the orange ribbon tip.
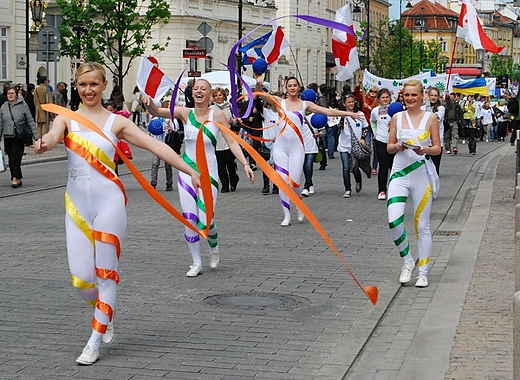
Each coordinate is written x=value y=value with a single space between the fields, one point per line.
x=372 y=293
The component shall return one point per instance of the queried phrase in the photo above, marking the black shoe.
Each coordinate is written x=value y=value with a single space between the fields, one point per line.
x=154 y=185
x=253 y=167
x=275 y=190
x=322 y=167
x=224 y=191
x=233 y=188
x=169 y=188
x=265 y=190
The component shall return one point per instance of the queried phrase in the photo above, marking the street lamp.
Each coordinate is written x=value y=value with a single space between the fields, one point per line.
x=357 y=9
x=36 y=8
x=408 y=6
x=421 y=24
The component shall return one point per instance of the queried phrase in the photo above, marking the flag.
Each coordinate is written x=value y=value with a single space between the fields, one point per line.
x=470 y=29
x=472 y=87
x=344 y=46
x=275 y=46
x=253 y=50
x=151 y=81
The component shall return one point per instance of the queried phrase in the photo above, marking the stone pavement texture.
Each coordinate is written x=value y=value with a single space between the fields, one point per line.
x=280 y=305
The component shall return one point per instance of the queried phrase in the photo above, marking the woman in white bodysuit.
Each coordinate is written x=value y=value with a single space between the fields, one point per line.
x=192 y=202
x=95 y=199
x=413 y=137
x=288 y=149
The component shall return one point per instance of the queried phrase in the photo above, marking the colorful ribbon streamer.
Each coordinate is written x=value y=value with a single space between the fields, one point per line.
x=202 y=167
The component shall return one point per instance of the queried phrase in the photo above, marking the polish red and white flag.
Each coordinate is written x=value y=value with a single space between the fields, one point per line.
x=151 y=80
x=344 y=46
x=275 y=46
x=470 y=29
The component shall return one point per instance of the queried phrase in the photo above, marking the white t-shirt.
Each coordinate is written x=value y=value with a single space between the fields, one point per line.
x=380 y=117
x=345 y=142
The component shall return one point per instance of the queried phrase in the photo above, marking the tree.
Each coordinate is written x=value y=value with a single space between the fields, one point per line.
x=111 y=32
x=501 y=65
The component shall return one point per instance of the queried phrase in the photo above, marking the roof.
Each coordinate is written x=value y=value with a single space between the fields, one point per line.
x=435 y=14
x=466 y=71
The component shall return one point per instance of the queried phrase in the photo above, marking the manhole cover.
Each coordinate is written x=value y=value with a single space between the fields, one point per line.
x=255 y=300
x=447 y=233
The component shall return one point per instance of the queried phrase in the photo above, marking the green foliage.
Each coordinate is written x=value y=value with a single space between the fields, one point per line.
x=394 y=53
x=501 y=65
x=111 y=32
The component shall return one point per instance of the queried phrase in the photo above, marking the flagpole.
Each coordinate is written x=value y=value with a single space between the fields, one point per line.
x=451 y=68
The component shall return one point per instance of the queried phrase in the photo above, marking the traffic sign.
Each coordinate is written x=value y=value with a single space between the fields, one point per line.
x=207 y=44
x=194 y=74
x=48 y=37
x=48 y=55
x=204 y=28
x=193 y=44
x=193 y=53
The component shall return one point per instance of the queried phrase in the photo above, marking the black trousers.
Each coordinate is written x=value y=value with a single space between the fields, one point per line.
x=386 y=161
x=227 y=170
x=14 y=148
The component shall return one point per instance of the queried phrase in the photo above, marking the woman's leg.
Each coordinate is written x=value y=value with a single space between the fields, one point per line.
x=345 y=163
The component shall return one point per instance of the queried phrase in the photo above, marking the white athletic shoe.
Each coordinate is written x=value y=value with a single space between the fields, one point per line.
x=109 y=335
x=286 y=222
x=214 y=258
x=301 y=217
x=406 y=273
x=195 y=270
x=422 y=281
x=311 y=189
x=89 y=356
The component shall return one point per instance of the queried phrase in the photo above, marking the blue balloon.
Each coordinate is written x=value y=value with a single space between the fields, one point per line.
x=156 y=126
x=259 y=66
x=318 y=120
x=394 y=108
x=309 y=95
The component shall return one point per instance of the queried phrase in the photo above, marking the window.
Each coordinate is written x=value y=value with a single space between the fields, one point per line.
x=444 y=46
x=3 y=53
x=209 y=64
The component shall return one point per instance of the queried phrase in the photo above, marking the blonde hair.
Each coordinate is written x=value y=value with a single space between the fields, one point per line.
x=88 y=67
x=202 y=79
x=414 y=83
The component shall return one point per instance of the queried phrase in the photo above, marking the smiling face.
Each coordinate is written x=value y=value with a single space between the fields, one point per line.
x=412 y=96
x=349 y=103
x=91 y=82
x=433 y=96
x=202 y=92
x=218 y=96
x=384 y=99
x=293 y=87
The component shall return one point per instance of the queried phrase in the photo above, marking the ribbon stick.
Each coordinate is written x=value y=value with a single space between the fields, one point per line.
x=370 y=291
x=201 y=157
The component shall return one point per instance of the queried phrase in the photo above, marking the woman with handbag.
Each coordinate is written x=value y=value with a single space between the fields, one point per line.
x=358 y=128
x=18 y=128
x=413 y=137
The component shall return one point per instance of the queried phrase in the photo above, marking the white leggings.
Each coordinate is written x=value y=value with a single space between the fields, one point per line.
x=288 y=157
x=415 y=184
x=194 y=211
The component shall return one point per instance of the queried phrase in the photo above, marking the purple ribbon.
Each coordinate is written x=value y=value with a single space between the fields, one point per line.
x=231 y=61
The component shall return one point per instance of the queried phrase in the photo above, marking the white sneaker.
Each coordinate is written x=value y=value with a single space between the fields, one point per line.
x=109 y=335
x=305 y=193
x=214 y=258
x=406 y=273
x=422 y=281
x=301 y=217
x=286 y=222
x=89 y=356
x=347 y=194
x=311 y=189
x=381 y=196
x=195 y=270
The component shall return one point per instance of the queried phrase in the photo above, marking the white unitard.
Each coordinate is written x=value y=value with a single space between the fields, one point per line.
x=192 y=203
x=95 y=221
x=409 y=177
x=289 y=154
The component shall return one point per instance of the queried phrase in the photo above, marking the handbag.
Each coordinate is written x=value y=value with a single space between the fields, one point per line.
x=125 y=148
x=319 y=155
x=361 y=152
x=264 y=151
x=3 y=167
x=27 y=137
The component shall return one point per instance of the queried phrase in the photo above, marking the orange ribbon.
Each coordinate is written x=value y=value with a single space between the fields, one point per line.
x=201 y=158
x=370 y=291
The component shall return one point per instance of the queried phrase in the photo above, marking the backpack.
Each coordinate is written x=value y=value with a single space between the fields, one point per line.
x=512 y=106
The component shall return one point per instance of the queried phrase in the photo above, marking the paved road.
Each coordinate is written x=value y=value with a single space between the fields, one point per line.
x=280 y=306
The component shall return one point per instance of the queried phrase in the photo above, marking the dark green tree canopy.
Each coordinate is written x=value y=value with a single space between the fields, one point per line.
x=111 y=32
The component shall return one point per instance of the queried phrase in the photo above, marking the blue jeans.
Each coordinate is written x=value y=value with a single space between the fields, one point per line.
x=331 y=140
x=346 y=162
x=308 y=169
